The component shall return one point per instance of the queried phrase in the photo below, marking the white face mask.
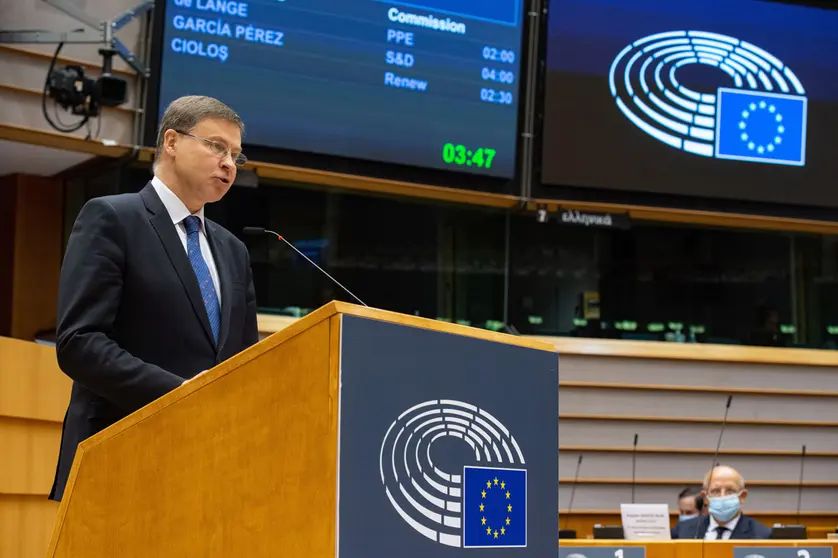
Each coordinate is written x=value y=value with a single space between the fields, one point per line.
x=686 y=516
x=724 y=508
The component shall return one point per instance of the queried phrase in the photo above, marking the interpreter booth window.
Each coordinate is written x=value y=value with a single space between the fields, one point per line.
x=426 y=259
x=656 y=282
x=816 y=265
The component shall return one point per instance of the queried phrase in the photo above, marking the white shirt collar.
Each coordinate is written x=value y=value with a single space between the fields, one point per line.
x=174 y=206
x=731 y=525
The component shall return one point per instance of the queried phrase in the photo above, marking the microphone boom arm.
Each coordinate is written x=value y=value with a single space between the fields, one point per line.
x=323 y=271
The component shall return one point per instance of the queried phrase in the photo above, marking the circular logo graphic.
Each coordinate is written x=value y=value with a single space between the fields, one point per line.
x=759 y=115
x=425 y=496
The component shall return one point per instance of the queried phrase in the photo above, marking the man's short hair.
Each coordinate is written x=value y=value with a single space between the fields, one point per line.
x=184 y=113
x=688 y=492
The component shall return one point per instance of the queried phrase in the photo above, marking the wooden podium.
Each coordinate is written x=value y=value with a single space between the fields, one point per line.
x=316 y=442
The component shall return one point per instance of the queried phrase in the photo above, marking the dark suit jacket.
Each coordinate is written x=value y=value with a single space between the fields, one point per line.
x=746 y=528
x=131 y=321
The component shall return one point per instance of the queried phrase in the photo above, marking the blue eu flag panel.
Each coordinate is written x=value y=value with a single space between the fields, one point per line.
x=761 y=127
x=438 y=456
x=494 y=507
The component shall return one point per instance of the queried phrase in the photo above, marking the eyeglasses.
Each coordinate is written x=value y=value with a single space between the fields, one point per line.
x=718 y=492
x=219 y=149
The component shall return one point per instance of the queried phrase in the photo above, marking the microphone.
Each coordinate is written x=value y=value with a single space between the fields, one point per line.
x=259 y=230
x=633 y=468
x=713 y=465
x=573 y=490
x=800 y=485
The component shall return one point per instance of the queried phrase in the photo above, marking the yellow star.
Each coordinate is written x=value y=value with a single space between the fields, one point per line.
x=482 y=507
x=484 y=493
x=488 y=484
x=496 y=534
x=488 y=530
x=507 y=495
x=509 y=507
x=483 y=521
x=503 y=530
x=496 y=481
x=503 y=484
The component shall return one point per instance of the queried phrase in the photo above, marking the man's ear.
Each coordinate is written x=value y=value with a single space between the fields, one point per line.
x=169 y=141
x=743 y=494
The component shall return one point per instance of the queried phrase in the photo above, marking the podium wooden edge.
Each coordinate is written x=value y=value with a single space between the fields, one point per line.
x=700 y=352
x=326 y=312
x=436 y=325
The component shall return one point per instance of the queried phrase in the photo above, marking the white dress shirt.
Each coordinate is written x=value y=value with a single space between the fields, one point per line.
x=178 y=212
x=712 y=535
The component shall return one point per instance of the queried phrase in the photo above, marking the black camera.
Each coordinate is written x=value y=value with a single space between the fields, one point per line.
x=83 y=95
x=71 y=88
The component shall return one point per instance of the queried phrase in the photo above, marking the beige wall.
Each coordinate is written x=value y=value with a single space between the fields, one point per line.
x=675 y=407
x=33 y=397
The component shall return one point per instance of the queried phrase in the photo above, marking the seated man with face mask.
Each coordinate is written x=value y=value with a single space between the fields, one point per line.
x=724 y=489
x=690 y=504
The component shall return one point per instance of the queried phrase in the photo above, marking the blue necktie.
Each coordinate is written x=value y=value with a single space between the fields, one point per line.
x=202 y=273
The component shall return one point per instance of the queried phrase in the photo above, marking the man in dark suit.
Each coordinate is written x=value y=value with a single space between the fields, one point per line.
x=151 y=293
x=724 y=489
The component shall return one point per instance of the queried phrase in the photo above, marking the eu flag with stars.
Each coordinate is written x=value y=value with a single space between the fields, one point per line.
x=761 y=127
x=494 y=507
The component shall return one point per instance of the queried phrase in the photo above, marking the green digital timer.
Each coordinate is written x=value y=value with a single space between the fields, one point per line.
x=458 y=154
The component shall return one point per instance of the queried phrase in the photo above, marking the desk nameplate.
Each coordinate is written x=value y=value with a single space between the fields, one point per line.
x=611 y=552
x=782 y=552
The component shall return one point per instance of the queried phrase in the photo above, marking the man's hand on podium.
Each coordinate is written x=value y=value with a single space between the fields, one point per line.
x=193 y=377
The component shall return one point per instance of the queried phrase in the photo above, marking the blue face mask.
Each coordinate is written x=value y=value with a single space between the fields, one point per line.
x=686 y=516
x=724 y=507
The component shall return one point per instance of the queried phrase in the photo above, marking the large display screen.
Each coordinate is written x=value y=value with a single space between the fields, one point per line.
x=711 y=98
x=428 y=83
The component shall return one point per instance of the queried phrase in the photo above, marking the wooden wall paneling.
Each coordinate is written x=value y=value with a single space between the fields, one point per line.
x=33 y=397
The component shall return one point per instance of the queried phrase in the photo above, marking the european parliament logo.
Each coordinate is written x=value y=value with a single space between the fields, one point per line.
x=482 y=504
x=761 y=119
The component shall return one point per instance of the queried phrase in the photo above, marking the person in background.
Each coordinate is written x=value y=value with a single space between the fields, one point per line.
x=767 y=332
x=690 y=504
x=724 y=490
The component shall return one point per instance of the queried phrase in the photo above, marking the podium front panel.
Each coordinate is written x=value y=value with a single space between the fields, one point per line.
x=448 y=445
